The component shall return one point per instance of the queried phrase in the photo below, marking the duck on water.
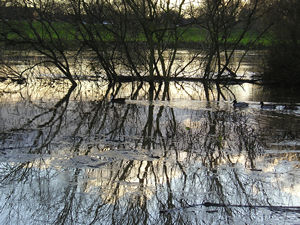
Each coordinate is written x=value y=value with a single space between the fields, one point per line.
x=118 y=100
x=240 y=104
x=273 y=106
x=290 y=107
x=267 y=106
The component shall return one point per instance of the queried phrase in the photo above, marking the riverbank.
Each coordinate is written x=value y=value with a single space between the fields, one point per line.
x=68 y=36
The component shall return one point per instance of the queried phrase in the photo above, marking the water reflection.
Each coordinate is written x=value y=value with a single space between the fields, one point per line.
x=78 y=160
x=40 y=75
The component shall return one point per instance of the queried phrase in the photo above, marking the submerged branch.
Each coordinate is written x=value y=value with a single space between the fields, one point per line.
x=275 y=208
x=188 y=79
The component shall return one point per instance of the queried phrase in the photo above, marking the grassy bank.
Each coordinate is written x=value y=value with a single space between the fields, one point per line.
x=68 y=34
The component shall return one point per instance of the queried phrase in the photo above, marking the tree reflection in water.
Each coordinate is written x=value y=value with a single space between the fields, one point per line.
x=93 y=162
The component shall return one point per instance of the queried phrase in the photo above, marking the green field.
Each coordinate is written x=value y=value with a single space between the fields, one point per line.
x=65 y=32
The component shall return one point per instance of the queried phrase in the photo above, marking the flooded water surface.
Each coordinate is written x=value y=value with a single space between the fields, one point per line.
x=71 y=156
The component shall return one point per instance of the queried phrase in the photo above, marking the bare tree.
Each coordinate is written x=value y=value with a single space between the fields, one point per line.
x=39 y=26
x=226 y=24
x=283 y=59
x=134 y=40
x=142 y=36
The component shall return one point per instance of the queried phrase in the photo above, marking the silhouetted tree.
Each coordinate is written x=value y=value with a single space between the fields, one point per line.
x=283 y=62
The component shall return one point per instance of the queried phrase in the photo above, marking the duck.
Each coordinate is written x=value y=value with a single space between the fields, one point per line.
x=267 y=106
x=118 y=100
x=290 y=107
x=240 y=104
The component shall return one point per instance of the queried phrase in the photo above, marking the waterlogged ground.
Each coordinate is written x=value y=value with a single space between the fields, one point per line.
x=75 y=160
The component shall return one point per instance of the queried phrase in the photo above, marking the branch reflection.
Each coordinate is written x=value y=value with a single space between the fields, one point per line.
x=91 y=162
